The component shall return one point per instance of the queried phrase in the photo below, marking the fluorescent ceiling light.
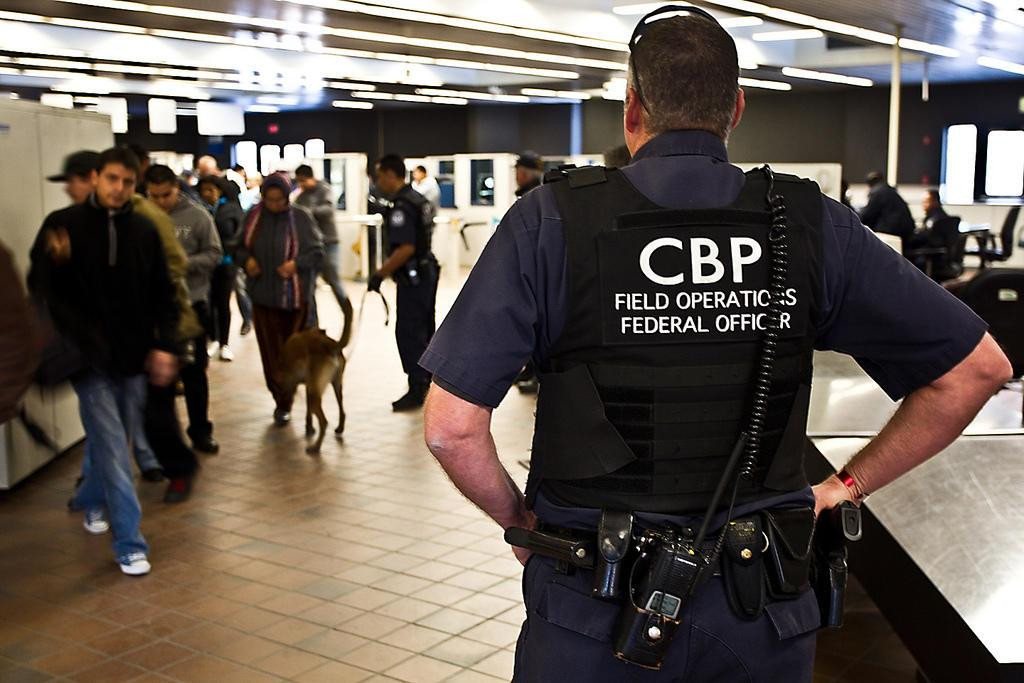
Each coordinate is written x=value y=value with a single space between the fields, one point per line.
x=412 y=98
x=373 y=95
x=459 y=22
x=51 y=63
x=767 y=85
x=348 y=104
x=471 y=95
x=293 y=27
x=828 y=26
x=337 y=85
x=363 y=54
x=262 y=109
x=918 y=46
x=1002 y=65
x=797 y=34
x=559 y=94
x=457 y=101
x=740 y=22
x=822 y=76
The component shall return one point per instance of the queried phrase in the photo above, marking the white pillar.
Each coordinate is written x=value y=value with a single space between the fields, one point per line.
x=894 y=110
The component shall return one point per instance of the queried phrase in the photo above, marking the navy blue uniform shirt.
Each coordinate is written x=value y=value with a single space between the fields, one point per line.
x=400 y=224
x=902 y=328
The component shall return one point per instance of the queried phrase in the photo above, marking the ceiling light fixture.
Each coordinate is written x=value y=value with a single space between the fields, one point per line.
x=1002 y=65
x=766 y=85
x=389 y=12
x=789 y=17
x=939 y=50
x=348 y=104
x=793 y=72
x=262 y=109
x=558 y=94
x=472 y=95
x=362 y=54
x=796 y=34
x=293 y=27
x=338 y=85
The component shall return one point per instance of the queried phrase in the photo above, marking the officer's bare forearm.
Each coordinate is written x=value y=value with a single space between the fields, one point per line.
x=458 y=433
x=931 y=418
x=398 y=257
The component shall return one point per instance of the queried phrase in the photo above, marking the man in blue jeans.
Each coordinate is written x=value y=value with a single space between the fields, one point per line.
x=101 y=270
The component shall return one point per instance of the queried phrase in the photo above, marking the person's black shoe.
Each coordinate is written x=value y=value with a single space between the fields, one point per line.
x=246 y=329
x=206 y=444
x=282 y=417
x=412 y=400
x=153 y=475
x=178 y=490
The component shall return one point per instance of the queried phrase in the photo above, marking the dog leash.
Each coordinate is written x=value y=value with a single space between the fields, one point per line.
x=359 y=321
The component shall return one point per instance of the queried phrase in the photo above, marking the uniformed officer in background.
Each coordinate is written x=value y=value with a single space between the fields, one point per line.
x=529 y=172
x=656 y=376
x=408 y=227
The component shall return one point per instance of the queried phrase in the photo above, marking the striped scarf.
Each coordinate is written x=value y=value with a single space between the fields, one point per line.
x=291 y=293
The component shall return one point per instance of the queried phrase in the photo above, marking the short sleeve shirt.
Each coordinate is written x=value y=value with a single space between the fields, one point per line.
x=904 y=330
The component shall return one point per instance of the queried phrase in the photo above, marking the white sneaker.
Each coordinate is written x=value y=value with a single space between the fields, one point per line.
x=212 y=348
x=226 y=354
x=135 y=564
x=96 y=522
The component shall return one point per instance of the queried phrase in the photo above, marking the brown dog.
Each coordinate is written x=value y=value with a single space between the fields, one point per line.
x=312 y=358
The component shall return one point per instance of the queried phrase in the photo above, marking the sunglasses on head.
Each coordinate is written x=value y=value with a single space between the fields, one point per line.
x=666 y=12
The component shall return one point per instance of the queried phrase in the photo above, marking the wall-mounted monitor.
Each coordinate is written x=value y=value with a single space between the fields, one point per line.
x=1004 y=164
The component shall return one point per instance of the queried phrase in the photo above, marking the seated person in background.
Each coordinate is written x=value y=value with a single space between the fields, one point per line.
x=933 y=235
x=886 y=211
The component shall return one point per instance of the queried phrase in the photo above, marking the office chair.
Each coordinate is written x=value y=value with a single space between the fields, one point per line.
x=994 y=251
x=997 y=296
x=943 y=258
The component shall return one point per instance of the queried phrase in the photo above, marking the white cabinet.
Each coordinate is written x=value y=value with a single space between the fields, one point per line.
x=38 y=138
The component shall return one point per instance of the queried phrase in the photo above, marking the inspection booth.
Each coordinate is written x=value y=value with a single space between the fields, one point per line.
x=39 y=137
x=347 y=174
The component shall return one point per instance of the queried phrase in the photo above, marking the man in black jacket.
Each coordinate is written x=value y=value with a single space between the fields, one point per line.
x=101 y=269
x=886 y=211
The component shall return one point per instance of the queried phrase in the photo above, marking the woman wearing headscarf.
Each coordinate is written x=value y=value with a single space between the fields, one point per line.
x=281 y=252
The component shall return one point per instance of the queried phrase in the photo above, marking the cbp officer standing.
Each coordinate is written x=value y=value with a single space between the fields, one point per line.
x=408 y=225
x=672 y=308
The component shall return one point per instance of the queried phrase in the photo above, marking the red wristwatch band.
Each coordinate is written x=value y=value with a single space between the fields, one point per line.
x=850 y=483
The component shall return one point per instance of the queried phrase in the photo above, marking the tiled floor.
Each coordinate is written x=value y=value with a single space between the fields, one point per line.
x=361 y=565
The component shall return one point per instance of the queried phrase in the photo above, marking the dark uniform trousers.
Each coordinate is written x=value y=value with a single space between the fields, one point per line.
x=197 y=385
x=567 y=636
x=415 y=324
x=164 y=433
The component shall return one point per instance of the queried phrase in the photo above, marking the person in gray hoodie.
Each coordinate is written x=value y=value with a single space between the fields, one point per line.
x=198 y=237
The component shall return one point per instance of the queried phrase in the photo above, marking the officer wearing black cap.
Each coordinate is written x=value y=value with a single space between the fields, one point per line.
x=529 y=172
x=78 y=175
x=408 y=227
x=672 y=308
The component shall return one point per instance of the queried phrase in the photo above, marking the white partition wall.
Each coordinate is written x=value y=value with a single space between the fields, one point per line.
x=39 y=137
x=485 y=186
x=346 y=173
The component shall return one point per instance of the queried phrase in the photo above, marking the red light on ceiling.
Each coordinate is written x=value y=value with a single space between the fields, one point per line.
x=273 y=128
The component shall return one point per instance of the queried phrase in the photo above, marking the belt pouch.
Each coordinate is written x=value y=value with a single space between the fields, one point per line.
x=743 y=567
x=642 y=637
x=614 y=536
x=788 y=558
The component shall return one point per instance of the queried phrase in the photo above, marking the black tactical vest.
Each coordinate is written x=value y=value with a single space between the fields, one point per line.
x=644 y=395
x=424 y=212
